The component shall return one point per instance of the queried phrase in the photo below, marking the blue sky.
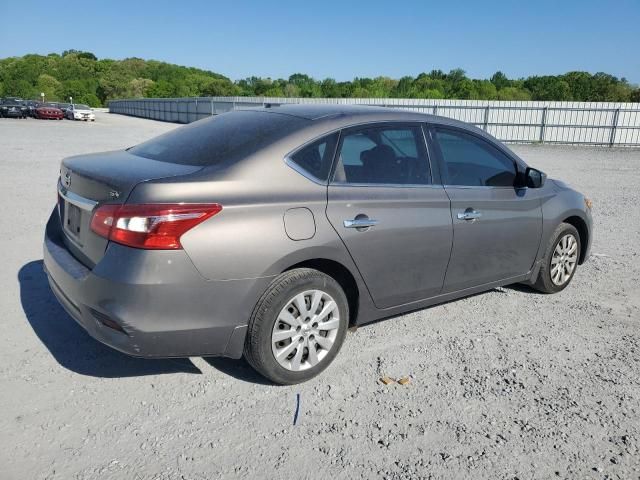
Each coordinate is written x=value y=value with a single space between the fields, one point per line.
x=339 y=39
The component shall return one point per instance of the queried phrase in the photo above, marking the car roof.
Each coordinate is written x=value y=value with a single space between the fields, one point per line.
x=321 y=111
x=325 y=118
x=332 y=116
x=342 y=115
x=317 y=111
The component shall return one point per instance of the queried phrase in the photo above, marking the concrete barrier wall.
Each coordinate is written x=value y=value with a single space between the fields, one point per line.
x=589 y=123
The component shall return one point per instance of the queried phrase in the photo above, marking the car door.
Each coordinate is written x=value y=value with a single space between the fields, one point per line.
x=496 y=226
x=394 y=221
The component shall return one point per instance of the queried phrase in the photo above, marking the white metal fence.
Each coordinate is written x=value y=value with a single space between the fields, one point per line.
x=588 y=123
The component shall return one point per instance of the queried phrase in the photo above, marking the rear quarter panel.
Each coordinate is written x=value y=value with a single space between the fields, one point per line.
x=248 y=239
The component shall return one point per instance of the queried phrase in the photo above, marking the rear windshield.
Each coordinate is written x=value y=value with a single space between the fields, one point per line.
x=223 y=138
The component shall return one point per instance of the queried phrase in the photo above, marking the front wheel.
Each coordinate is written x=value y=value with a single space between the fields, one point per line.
x=560 y=260
x=297 y=327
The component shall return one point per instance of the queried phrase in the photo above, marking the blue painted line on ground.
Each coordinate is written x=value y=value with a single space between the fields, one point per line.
x=295 y=415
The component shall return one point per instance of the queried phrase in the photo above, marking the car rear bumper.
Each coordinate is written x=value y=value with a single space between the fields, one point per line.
x=150 y=303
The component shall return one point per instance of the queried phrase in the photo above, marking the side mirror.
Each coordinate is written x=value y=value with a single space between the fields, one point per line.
x=535 y=178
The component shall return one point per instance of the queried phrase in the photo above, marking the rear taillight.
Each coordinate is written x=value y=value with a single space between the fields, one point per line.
x=153 y=227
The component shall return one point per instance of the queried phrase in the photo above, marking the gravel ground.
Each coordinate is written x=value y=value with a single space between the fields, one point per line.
x=506 y=384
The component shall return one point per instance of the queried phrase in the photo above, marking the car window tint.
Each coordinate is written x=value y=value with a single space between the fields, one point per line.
x=471 y=161
x=401 y=141
x=381 y=155
x=220 y=139
x=353 y=146
x=316 y=158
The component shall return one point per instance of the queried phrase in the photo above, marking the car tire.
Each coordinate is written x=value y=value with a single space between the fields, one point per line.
x=560 y=260
x=288 y=320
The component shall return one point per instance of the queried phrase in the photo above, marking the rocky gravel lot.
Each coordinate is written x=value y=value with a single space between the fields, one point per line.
x=504 y=385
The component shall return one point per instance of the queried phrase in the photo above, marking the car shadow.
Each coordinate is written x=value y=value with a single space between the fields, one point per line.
x=524 y=288
x=238 y=369
x=70 y=345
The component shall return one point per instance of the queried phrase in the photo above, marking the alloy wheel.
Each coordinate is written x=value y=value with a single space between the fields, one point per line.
x=564 y=259
x=305 y=330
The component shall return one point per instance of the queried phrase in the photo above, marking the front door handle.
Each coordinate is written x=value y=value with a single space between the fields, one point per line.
x=469 y=214
x=360 y=223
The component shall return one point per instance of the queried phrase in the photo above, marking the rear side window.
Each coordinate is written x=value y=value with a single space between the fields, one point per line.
x=223 y=138
x=394 y=155
x=471 y=161
x=315 y=158
x=352 y=147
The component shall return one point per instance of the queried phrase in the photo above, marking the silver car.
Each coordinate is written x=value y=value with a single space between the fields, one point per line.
x=269 y=232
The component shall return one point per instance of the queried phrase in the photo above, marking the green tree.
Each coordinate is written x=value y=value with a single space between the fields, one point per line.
x=548 y=88
x=48 y=85
x=138 y=87
x=513 y=93
x=96 y=81
x=329 y=88
x=485 y=90
x=500 y=80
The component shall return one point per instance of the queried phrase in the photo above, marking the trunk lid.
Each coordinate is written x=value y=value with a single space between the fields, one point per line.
x=87 y=181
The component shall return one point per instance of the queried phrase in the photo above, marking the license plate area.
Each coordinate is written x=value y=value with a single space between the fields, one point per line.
x=72 y=219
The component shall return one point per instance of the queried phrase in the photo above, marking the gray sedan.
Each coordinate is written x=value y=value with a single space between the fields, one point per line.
x=269 y=232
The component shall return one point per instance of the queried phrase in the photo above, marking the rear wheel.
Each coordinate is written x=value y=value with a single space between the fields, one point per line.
x=560 y=260
x=297 y=326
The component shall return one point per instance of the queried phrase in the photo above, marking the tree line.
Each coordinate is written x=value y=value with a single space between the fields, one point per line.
x=95 y=81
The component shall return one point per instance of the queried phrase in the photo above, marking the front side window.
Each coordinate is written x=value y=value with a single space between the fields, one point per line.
x=471 y=161
x=316 y=157
x=394 y=155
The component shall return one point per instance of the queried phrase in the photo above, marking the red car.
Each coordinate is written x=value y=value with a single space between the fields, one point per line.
x=49 y=113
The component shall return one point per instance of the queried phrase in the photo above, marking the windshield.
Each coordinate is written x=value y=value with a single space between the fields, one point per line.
x=81 y=107
x=227 y=137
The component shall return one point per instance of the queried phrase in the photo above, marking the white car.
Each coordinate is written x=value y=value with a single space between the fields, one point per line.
x=80 y=112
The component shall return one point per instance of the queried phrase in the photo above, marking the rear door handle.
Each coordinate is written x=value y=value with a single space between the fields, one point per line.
x=360 y=223
x=469 y=214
